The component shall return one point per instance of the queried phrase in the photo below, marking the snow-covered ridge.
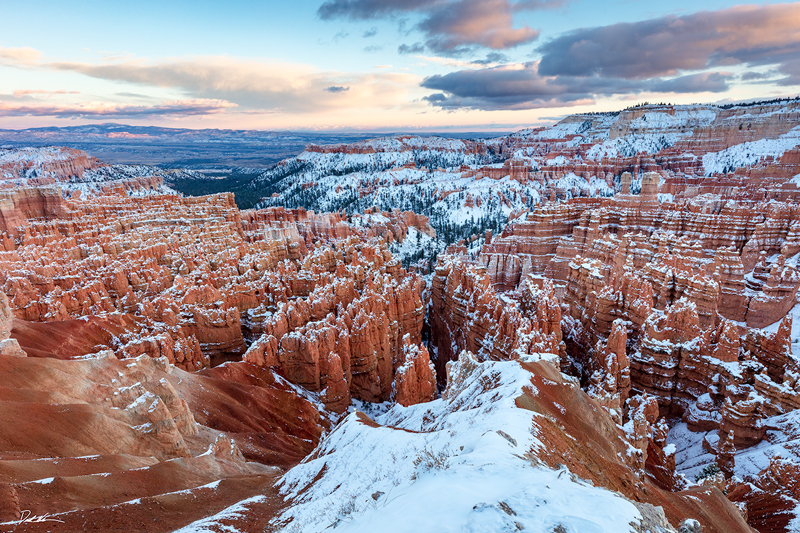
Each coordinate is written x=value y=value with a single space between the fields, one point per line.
x=400 y=143
x=455 y=464
x=750 y=153
x=35 y=156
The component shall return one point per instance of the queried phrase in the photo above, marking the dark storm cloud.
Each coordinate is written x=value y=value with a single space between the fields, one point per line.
x=337 y=89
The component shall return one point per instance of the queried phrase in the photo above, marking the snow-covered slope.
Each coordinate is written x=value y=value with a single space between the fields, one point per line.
x=419 y=174
x=749 y=153
x=468 y=186
x=469 y=461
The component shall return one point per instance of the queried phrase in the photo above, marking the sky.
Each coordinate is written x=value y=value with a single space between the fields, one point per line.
x=383 y=65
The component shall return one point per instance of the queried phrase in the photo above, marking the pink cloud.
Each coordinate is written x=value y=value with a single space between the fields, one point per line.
x=104 y=110
x=36 y=92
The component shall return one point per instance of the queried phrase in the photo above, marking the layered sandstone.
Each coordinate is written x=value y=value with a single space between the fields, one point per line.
x=43 y=166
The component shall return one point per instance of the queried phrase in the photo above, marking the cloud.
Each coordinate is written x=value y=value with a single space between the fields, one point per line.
x=416 y=48
x=105 y=110
x=40 y=92
x=252 y=85
x=372 y=48
x=665 y=46
x=522 y=86
x=662 y=55
x=450 y=27
x=753 y=75
x=791 y=69
x=714 y=82
x=337 y=89
x=372 y=32
x=20 y=56
x=491 y=57
x=505 y=87
x=453 y=27
x=370 y=9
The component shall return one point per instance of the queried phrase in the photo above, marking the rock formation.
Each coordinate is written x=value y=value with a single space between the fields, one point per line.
x=467 y=314
x=185 y=342
x=8 y=346
x=415 y=378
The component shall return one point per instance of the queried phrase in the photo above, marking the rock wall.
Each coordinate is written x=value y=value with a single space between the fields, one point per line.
x=466 y=313
x=43 y=166
x=197 y=278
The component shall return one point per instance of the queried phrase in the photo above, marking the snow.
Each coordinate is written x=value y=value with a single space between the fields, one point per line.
x=689 y=116
x=214 y=523
x=749 y=153
x=632 y=144
x=593 y=186
x=562 y=129
x=414 y=243
x=795 y=335
x=665 y=197
x=781 y=441
x=458 y=463
x=690 y=457
x=45 y=481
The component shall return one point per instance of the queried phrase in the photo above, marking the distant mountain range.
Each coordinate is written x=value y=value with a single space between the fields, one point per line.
x=185 y=148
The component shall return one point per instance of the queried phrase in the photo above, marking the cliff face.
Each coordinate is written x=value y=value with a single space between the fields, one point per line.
x=708 y=250
x=746 y=152
x=127 y=441
x=345 y=323
x=8 y=346
x=43 y=166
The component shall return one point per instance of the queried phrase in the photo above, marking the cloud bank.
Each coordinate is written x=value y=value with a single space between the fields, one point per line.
x=103 y=110
x=250 y=86
x=449 y=27
x=663 y=55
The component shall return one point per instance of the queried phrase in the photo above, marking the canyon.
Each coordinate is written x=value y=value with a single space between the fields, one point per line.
x=603 y=312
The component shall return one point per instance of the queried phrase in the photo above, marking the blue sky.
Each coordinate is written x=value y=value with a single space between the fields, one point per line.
x=336 y=64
